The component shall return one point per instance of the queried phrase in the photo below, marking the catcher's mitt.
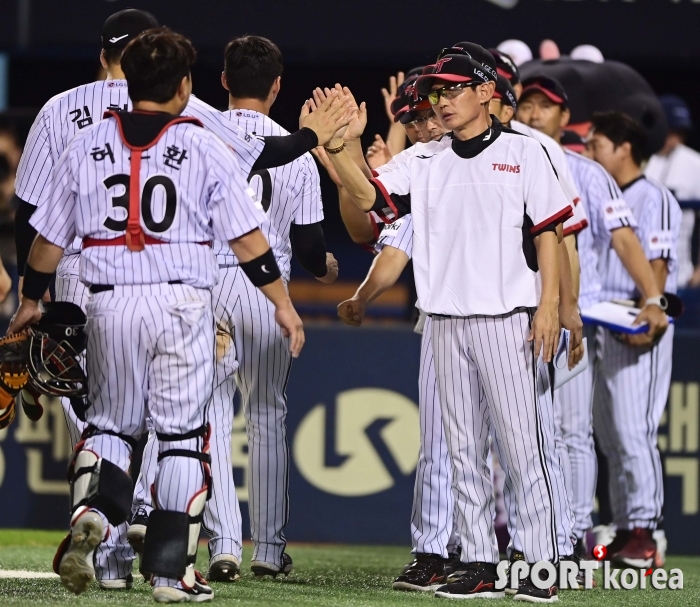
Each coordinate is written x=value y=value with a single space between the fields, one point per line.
x=14 y=375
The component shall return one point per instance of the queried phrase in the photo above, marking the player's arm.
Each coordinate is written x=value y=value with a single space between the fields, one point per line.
x=396 y=137
x=545 y=324
x=39 y=271
x=360 y=225
x=385 y=271
x=569 y=316
x=660 y=268
x=258 y=262
x=628 y=248
x=309 y=244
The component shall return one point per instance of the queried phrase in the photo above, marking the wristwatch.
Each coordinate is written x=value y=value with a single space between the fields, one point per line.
x=659 y=300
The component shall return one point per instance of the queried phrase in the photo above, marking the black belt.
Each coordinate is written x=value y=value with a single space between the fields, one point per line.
x=102 y=288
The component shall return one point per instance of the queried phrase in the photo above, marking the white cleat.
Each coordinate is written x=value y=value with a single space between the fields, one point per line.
x=126 y=583
x=604 y=534
x=661 y=546
x=76 y=568
x=200 y=593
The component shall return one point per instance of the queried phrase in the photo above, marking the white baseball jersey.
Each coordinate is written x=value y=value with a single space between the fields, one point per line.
x=398 y=234
x=459 y=205
x=192 y=191
x=59 y=120
x=680 y=173
x=579 y=220
x=289 y=194
x=659 y=217
x=607 y=211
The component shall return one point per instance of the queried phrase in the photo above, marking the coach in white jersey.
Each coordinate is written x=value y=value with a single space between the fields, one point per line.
x=150 y=331
x=635 y=375
x=252 y=352
x=494 y=339
x=543 y=106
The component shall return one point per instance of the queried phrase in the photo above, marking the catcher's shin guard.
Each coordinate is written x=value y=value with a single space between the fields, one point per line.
x=170 y=547
x=98 y=483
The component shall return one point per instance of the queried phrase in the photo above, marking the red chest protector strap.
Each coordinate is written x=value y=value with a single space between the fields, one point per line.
x=135 y=239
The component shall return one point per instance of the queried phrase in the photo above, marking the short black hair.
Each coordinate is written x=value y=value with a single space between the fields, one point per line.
x=154 y=64
x=251 y=66
x=621 y=128
x=113 y=56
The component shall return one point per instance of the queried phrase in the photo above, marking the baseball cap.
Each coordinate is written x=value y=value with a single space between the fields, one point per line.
x=505 y=66
x=454 y=68
x=402 y=102
x=122 y=27
x=505 y=92
x=677 y=113
x=549 y=87
x=476 y=52
x=571 y=140
x=415 y=71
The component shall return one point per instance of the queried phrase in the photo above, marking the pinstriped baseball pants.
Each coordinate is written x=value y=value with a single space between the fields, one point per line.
x=630 y=395
x=489 y=379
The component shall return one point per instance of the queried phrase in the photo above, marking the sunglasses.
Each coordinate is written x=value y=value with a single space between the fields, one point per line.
x=450 y=92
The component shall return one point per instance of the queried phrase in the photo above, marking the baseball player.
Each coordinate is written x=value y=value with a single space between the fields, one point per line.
x=635 y=375
x=57 y=123
x=149 y=272
x=254 y=354
x=474 y=330
x=543 y=105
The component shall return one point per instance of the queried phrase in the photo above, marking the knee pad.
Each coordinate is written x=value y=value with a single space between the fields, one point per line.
x=204 y=432
x=95 y=482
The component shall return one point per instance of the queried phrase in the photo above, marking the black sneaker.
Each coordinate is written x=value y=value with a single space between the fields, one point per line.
x=136 y=533
x=478 y=582
x=530 y=593
x=425 y=573
x=515 y=555
x=261 y=568
x=454 y=567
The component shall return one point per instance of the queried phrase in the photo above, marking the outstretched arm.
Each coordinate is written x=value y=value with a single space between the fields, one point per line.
x=385 y=271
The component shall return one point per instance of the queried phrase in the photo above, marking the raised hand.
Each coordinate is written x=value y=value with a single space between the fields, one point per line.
x=322 y=157
x=378 y=153
x=389 y=94
x=329 y=116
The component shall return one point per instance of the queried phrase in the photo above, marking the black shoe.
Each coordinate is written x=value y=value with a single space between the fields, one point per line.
x=425 y=573
x=261 y=568
x=136 y=533
x=478 y=582
x=515 y=555
x=530 y=593
x=224 y=568
x=454 y=567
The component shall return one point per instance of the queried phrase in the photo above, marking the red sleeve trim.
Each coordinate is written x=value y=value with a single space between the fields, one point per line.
x=575 y=229
x=387 y=197
x=557 y=218
x=576 y=201
x=374 y=173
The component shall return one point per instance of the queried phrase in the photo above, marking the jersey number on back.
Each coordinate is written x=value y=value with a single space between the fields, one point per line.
x=266 y=180
x=122 y=202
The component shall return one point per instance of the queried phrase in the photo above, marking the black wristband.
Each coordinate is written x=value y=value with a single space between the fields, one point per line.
x=35 y=283
x=262 y=270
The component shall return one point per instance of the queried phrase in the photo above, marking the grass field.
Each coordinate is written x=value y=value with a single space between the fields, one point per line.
x=324 y=575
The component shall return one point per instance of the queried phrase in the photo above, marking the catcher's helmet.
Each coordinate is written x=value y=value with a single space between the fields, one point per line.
x=64 y=322
x=53 y=367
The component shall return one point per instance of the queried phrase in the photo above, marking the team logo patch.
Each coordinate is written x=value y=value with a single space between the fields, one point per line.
x=662 y=239
x=111 y=84
x=506 y=168
x=617 y=209
x=440 y=63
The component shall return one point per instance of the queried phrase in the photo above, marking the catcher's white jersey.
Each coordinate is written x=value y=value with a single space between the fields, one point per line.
x=289 y=194
x=192 y=192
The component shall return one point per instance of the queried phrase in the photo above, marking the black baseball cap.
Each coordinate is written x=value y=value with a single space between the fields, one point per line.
x=122 y=27
x=415 y=71
x=402 y=102
x=505 y=92
x=476 y=52
x=571 y=140
x=505 y=66
x=549 y=87
x=454 y=68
